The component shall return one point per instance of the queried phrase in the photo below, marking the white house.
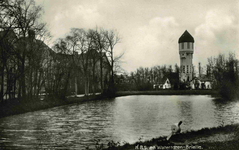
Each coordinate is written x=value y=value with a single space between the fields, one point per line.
x=201 y=83
x=165 y=84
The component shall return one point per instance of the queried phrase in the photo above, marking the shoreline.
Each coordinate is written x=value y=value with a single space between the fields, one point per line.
x=222 y=137
x=15 y=107
x=169 y=92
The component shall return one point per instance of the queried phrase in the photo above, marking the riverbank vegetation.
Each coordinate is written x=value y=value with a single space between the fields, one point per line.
x=169 y=92
x=224 y=71
x=16 y=106
x=221 y=71
x=222 y=137
x=143 y=79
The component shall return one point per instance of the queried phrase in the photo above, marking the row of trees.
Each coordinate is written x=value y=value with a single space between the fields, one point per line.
x=90 y=58
x=223 y=70
x=144 y=78
x=19 y=58
x=28 y=65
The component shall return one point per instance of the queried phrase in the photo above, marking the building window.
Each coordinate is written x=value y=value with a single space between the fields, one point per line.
x=182 y=45
x=183 y=69
x=188 y=45
x=187 y=68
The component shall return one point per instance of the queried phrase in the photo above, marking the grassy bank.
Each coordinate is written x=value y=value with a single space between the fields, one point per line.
x=15 y=106
x=224 y=137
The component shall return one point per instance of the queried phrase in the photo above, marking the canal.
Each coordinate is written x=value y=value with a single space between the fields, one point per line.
x=122 y=119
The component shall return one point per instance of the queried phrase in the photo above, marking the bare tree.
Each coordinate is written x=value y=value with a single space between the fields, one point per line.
x=101 y=45
x=22 y=17
x=112 y=39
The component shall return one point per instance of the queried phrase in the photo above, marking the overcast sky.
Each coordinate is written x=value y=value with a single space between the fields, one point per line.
x=150 y=29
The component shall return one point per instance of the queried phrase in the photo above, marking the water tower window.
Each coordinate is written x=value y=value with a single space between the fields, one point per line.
x=182 y=45
x=188 y=45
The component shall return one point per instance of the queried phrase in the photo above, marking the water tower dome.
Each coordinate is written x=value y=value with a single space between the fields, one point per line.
x=186 y=37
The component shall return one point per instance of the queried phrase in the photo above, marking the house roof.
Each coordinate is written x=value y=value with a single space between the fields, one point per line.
x=186 y=37
x=162 y=81
x=172 y=77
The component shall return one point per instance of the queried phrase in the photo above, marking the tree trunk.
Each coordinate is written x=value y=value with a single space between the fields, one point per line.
x=30 y=81
x=66 y=83
x=2 y=85
x=101 y=72
x=76 y=86
x=23 y=82
x=93 y=78
x=86 y=86
x=112 y=66
x=112 y=72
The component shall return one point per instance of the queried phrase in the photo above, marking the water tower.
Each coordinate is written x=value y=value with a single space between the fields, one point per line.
x=186 y=49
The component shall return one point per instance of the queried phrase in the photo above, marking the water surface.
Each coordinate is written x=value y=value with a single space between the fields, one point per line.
x=127 y=118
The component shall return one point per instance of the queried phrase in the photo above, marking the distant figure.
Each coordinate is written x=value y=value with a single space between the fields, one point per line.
x=175 y=128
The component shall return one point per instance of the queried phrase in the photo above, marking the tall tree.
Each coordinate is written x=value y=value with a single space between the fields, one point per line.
x=112 y=39
x=23 y=16
x=101 y=45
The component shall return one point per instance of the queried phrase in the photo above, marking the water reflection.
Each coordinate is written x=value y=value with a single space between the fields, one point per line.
x=226 y=112
x=186 y=113
x=121 y=119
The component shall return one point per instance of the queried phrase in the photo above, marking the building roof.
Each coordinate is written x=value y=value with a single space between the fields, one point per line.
x=186 y=37
x=163 y=80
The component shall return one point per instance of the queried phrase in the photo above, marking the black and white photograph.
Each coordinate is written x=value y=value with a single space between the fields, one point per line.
x=119 y=74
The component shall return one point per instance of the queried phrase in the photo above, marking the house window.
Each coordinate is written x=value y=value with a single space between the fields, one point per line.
x=182 y=45
x=188 y=45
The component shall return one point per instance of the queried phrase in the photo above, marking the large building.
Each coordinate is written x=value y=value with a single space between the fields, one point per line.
x=186 y=49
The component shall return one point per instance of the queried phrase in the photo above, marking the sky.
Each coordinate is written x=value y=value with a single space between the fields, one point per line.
x=149 y=29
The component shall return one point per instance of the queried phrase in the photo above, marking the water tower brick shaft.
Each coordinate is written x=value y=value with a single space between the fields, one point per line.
x=186 y=50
